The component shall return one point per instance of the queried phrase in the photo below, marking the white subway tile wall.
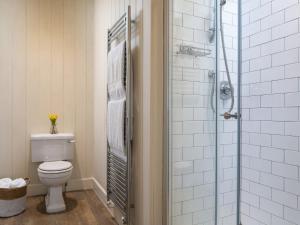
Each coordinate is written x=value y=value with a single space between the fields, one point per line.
x=270 y=112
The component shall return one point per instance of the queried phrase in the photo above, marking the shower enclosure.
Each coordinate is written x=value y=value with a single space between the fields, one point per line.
x=203 y=112
x=233 y=109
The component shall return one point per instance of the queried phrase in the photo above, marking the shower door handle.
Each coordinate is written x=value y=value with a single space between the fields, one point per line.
x=228 y=115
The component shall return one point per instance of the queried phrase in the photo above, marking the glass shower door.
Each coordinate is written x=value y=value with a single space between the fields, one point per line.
x=192 y=117
x=202 y=87
x=228 y=132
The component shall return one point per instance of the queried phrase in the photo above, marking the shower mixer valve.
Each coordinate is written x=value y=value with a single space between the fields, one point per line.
x=225 y=90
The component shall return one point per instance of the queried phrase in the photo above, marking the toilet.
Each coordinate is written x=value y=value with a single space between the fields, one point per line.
x=54 y=153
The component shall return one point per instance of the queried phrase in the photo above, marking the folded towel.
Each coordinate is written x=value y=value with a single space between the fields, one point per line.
x=115 y=71
x=5 y=182
x=17 y=183
x=115 y=126
x=9 y=183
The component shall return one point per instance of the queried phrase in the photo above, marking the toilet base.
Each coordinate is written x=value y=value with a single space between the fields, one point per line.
x=54 y=200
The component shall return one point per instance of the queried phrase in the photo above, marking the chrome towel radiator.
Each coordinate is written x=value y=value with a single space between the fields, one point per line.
x=119 y=169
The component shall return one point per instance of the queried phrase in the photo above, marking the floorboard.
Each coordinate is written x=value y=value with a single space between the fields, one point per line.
x=83 y=208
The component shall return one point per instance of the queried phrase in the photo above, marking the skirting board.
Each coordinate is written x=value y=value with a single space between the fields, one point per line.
x=101 y=193
x=73 y=185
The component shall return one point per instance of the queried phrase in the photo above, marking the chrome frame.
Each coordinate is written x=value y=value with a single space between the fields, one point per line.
x=239 y=122
x=217 y=97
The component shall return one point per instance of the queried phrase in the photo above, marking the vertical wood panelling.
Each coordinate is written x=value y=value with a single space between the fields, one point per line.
x=19 y=125
x=90 y=21
x=102 y=21
x=33 y=14
x=45 y=64
x=80 y=84
x=44 y=68
x=5 y=88
x=69 y=69
x=138 y=112
x=57 y=60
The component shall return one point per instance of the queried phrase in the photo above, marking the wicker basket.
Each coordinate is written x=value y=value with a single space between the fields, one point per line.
x=13 y=201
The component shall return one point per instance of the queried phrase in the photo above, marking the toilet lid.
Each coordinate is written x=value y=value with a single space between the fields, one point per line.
x=55 y=166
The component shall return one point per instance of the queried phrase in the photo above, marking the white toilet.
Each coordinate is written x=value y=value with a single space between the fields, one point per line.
x=53 y=150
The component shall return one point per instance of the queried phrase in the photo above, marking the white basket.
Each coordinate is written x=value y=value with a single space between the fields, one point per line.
x=13 y=207
x=13 y=201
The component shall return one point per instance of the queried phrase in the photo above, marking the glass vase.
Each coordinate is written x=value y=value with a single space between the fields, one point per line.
x=53 y=129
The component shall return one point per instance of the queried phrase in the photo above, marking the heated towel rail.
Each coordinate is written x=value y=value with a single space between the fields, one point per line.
x=119 y=169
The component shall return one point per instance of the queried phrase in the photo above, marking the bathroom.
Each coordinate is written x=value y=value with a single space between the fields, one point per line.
x=212 y=111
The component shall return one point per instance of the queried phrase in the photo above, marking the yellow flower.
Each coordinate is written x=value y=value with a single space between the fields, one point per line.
x=53 y=117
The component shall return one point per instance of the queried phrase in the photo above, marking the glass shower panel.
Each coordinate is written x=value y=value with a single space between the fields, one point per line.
x=227 y=153
x=192 y=117
x=203 y=96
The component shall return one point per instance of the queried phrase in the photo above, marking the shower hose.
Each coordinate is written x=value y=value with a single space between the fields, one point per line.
x=223 y=2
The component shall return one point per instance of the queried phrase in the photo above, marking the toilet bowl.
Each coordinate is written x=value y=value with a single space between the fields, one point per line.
x=55 y=175
x=54 y=152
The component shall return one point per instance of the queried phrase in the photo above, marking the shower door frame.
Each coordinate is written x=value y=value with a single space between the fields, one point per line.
x=166 y=170
x=166 y=217
x=239 y=113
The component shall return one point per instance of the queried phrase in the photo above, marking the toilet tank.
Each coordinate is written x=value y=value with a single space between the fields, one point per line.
x=52 y=147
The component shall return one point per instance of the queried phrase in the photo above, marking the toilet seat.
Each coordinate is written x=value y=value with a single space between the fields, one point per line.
x=55 y=167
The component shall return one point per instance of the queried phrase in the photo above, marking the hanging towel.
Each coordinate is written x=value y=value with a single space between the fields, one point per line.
x=115 y=71
x=115 y=126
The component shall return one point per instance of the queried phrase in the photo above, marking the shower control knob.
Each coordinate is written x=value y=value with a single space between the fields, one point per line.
x=228 y=115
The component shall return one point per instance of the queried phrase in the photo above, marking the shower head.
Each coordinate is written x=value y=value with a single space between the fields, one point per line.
x=222 y=2
x=212 y=27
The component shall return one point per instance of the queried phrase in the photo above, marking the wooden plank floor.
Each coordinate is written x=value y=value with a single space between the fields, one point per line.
x=83 y=208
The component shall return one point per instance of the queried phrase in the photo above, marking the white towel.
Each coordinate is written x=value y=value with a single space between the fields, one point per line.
x=6 y=180
x=17 y=183
x=9 y=183
x=115 y=71
x=115 y=126
x=5 y=183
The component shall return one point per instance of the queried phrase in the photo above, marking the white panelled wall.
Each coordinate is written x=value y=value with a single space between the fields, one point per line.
x=53 y=56
x=270 y=102
x=45 y=66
